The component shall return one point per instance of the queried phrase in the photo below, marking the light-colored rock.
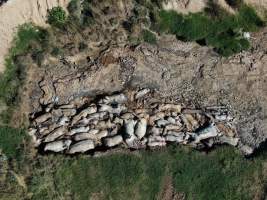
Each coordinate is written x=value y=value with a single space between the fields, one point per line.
x=81 y=147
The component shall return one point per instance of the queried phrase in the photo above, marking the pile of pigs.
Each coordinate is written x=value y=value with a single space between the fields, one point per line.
x=132 y=120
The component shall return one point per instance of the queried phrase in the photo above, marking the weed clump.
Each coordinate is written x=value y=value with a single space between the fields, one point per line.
x=149 y=37
x=10 y=141
x=57 y=17
x=14 y=75
x=223 y=32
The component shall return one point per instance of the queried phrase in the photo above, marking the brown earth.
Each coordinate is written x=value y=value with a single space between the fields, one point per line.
x=189 y=73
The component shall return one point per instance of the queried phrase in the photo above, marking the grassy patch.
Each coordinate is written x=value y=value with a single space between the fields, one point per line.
x=149 y=37
x=10 y=141
x=57 y=17
x=224 y=172
x=224 y=32
x=27 y=38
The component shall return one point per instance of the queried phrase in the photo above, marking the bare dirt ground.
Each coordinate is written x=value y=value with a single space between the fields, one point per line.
x=17 y=12
x=191 y=74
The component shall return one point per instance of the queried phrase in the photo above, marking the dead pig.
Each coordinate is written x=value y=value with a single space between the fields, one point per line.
x=81 y=147
x=57 y=146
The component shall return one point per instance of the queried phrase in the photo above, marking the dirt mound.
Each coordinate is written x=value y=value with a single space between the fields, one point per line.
x=16 y=12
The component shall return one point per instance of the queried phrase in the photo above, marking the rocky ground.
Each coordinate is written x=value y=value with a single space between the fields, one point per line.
x=189 y=74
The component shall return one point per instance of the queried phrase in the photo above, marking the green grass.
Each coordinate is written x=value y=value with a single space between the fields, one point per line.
x=221 y=174
x=57 y=17
x=223 y=32
x=11 y=80
x=11 y=140
x=149 y=37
